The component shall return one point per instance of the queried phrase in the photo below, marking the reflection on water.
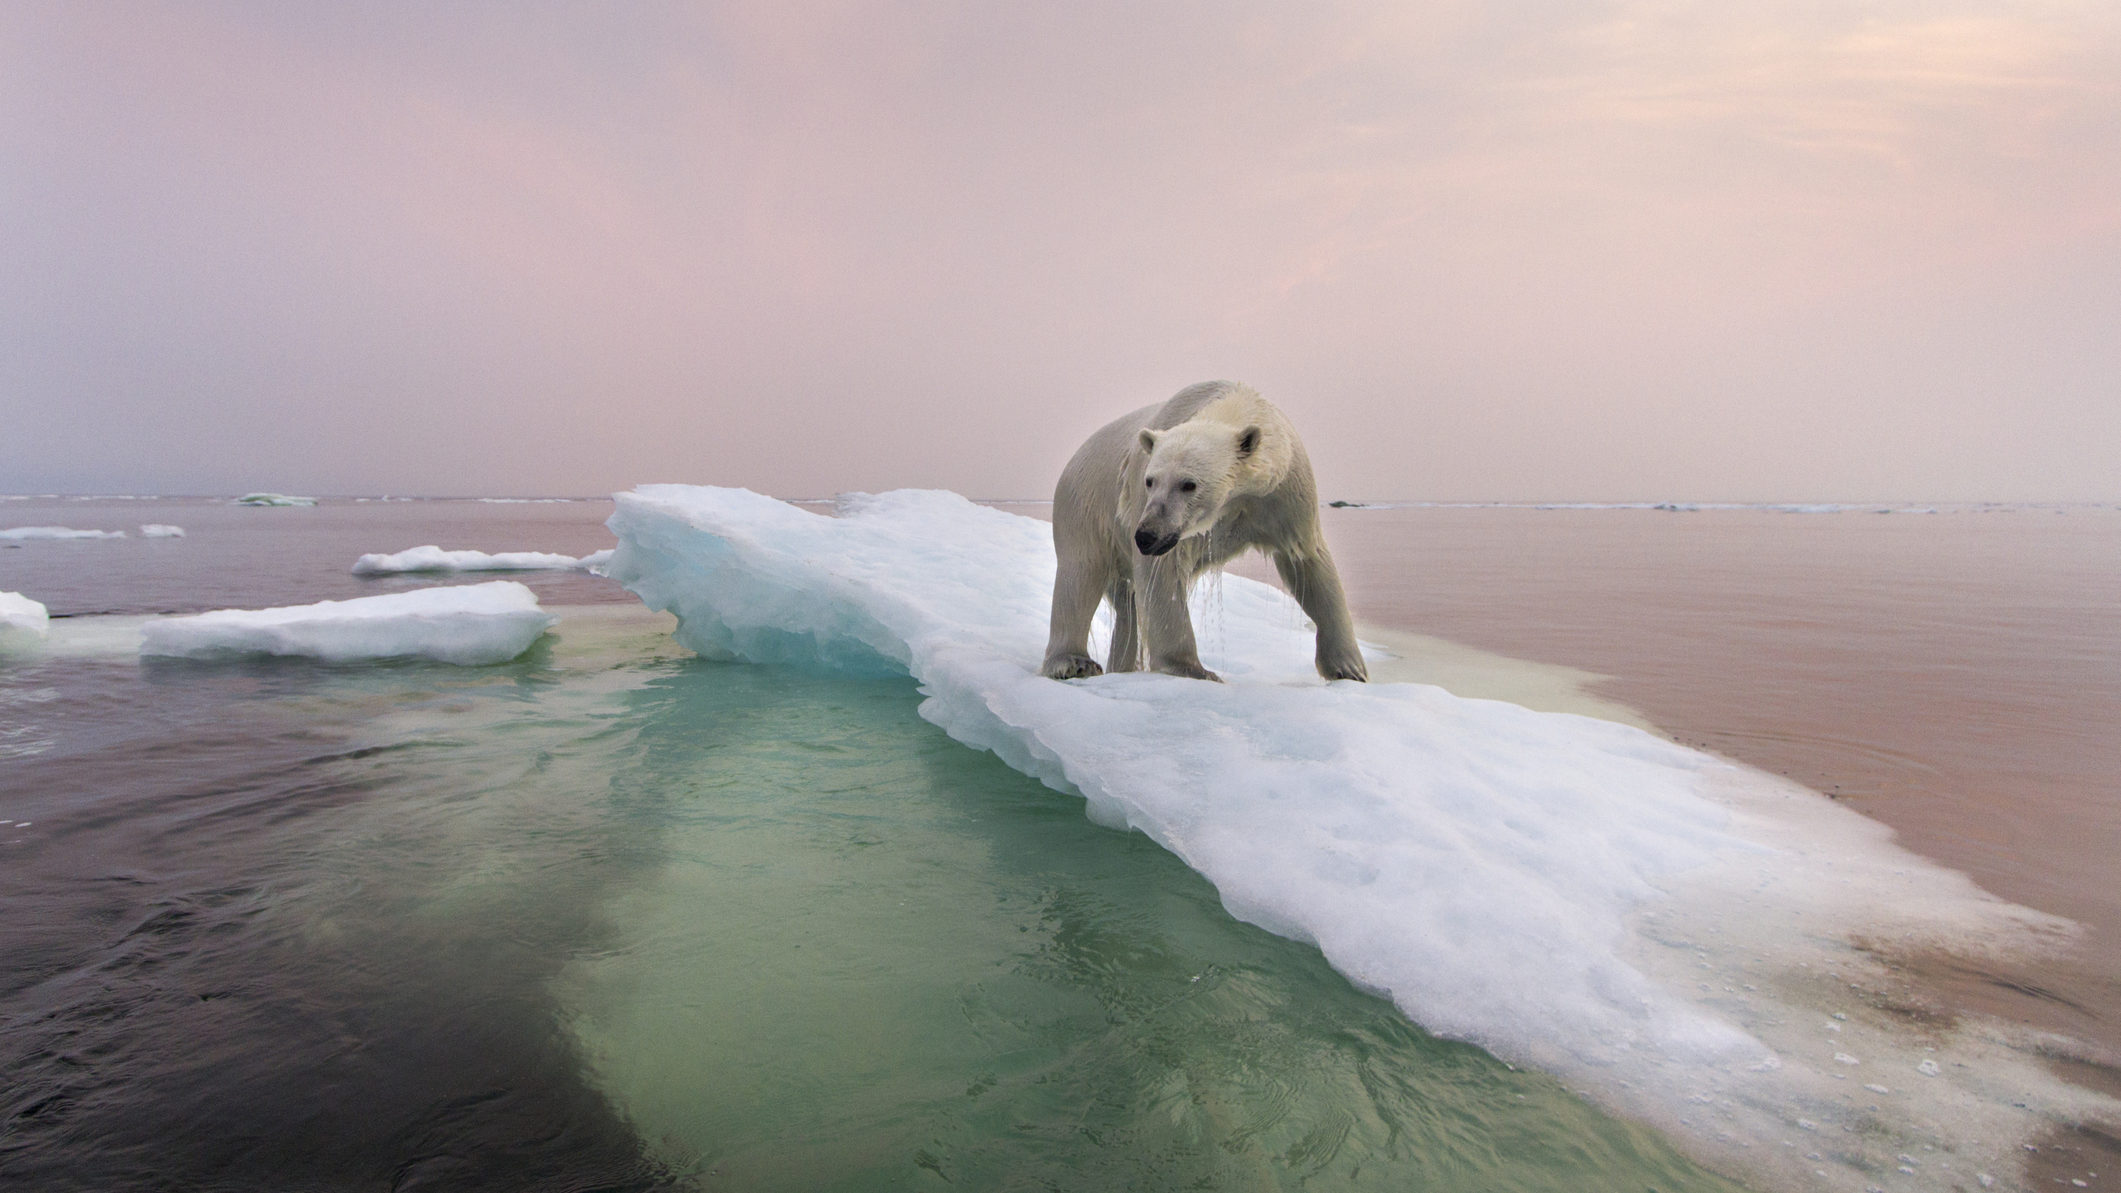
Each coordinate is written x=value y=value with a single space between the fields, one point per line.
x=615 y=918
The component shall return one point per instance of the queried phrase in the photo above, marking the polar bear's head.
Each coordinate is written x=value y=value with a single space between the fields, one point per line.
x=1188 y=476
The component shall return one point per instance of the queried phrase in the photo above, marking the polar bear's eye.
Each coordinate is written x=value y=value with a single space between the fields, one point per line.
x=1148 y=482
x=1187 y=486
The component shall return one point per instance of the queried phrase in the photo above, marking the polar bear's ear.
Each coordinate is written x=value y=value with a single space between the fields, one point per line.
x=1247 y=442
x=1148 y=440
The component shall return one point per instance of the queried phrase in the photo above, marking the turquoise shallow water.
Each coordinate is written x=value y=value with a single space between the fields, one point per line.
x=614 y=917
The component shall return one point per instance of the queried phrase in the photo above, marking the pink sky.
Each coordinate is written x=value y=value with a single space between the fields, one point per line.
x=1580 y=250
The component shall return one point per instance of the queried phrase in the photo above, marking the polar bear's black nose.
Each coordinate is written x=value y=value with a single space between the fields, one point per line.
x=1149 y=543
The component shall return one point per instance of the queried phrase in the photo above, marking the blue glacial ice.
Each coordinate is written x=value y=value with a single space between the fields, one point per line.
x=1652 y=924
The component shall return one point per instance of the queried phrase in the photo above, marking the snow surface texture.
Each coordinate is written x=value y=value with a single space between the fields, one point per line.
x=22 y=621
x=161 y=530
x=23 y=533
x=435 y=559
x=1660 y=928
x=273 y=499
x=472 y=624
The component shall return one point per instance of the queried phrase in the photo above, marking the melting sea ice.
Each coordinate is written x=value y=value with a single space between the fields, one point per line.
x=1687 y=942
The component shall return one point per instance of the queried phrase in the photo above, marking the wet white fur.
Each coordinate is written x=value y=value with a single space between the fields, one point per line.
x=1222 y=470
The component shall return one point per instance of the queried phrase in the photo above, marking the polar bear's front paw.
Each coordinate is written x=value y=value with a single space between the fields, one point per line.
x=1185 y=669
x=1346 y=664
x=1071 y=666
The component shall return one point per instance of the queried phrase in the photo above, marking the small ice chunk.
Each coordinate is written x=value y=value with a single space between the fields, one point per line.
x=472 y=624
x=160 y=530
x=1878 y=1089
x=434 y=559
x=22 y=620
x=1928 y=1068
x=273 y=499
x=1843 y=1058
x=20 y=533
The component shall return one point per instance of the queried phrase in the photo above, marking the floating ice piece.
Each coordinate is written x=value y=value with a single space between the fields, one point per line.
x=472 y=624
x=1491 y=869
x=22 y=533
x=1472 y=858
x=161 y=530
x=435 y=559
x=22 y=620
x=273 y=499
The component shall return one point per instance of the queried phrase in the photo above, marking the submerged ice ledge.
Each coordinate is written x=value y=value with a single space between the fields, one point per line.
x=1576 y=894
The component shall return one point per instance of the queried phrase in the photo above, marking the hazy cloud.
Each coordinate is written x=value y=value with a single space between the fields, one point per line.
x=1563 y=250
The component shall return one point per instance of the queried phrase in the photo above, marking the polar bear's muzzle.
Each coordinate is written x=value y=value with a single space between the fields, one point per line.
x=1149 y=542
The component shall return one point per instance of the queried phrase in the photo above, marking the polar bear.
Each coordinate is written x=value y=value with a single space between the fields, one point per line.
x=1156 y=498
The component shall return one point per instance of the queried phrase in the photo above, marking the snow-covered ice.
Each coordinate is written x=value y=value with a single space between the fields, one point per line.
x=161 y=530
x=25 y=533
x=273 y=499
x=471 y=624
x=22 y=621
x=1649 y=922
x=435 y=559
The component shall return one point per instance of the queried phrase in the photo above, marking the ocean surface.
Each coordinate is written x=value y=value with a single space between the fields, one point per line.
x=612 y=916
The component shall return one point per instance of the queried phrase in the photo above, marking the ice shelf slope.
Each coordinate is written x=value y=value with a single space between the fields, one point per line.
x=1684 y=939
x=469 y=624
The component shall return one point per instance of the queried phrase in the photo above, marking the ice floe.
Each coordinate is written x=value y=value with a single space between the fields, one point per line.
x=161 y=530
x=22 y=621
x=435 y=559
x=26 y=533
x=1656 y=926
x=471 y=624
x=273 y=499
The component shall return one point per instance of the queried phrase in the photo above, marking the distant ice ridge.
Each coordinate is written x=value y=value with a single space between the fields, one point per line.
x=435 y=559
x=1670 y=933
x=22 y=621
x=161 y=530
x=471 y=625
x=273 y=499
x=24 y=533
